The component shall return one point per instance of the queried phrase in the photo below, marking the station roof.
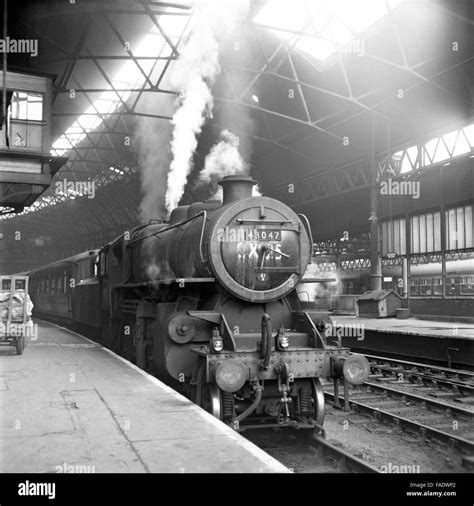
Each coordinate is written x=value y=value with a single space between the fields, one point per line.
x=312 y=86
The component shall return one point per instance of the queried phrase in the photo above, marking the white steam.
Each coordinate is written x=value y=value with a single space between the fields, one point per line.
x=193 y=76
x=152 y=139
x=224 y=159
x=309 y=292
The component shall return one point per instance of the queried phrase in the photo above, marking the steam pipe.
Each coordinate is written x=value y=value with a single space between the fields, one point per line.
x=266 y=340
x=253 y=406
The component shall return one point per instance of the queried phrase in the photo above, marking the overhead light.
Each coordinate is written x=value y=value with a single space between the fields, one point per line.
x=323 y=27
x=255 y=99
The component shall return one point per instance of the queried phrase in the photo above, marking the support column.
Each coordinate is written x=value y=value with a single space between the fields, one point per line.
x=375 y=258
x=443 y=242
x=405 y=277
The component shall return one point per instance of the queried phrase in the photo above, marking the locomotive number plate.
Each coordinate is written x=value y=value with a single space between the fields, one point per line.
x=263 y=234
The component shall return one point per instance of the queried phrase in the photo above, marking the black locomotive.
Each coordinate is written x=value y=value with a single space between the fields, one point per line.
x=207 y=303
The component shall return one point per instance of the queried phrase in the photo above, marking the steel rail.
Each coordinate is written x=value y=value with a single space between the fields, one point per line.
x=425 y=401
x=453 y=377
x=441 y=369
x=342 y=456
x=423 y=429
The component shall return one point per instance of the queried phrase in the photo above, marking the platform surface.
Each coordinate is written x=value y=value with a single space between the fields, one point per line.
x=69 y=405
x=410 y=326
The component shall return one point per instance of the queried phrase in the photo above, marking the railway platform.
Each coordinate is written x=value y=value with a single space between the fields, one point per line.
x=69 y=405
x=446 y=343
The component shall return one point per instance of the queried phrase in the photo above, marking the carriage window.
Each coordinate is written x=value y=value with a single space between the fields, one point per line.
x=437 y=286
x=459 y=285
x=117 y=253
x=426 y=287
x=6 y=284
x=83 y=270
x=414 y=288
x=452 y=285
x=467 y=285
x=95 y=266
x=103 y=263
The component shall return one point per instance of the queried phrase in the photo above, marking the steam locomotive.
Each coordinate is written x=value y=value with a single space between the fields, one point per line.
x=207 y=302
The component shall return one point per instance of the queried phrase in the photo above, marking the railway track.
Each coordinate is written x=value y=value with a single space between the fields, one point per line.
x=313 y=453
x=425 y=422
x=407 y=415
x=462 y=380
x=343 y=458
x=438 y=386
x=432 y=401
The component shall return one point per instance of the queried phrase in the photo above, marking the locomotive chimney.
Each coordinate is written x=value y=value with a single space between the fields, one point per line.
x=236 y=188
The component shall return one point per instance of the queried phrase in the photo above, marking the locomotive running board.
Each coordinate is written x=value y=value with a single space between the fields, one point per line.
x=302 y=322
x=166 y=282
x=217 y=319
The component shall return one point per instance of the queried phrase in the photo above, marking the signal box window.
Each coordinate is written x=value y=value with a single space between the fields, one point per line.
x=27 y=106
x=26 y=122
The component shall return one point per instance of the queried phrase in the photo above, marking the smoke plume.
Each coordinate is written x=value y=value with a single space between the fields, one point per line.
x=224 y=159
x=193 y=76
x=152 y=139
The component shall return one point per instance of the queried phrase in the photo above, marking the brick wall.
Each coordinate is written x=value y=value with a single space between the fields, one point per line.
x=442 y=307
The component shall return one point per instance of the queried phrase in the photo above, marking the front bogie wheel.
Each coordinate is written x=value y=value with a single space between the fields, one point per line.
x=211 y=399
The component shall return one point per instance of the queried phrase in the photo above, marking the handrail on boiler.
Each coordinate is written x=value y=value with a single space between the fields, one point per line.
x=307 y=226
